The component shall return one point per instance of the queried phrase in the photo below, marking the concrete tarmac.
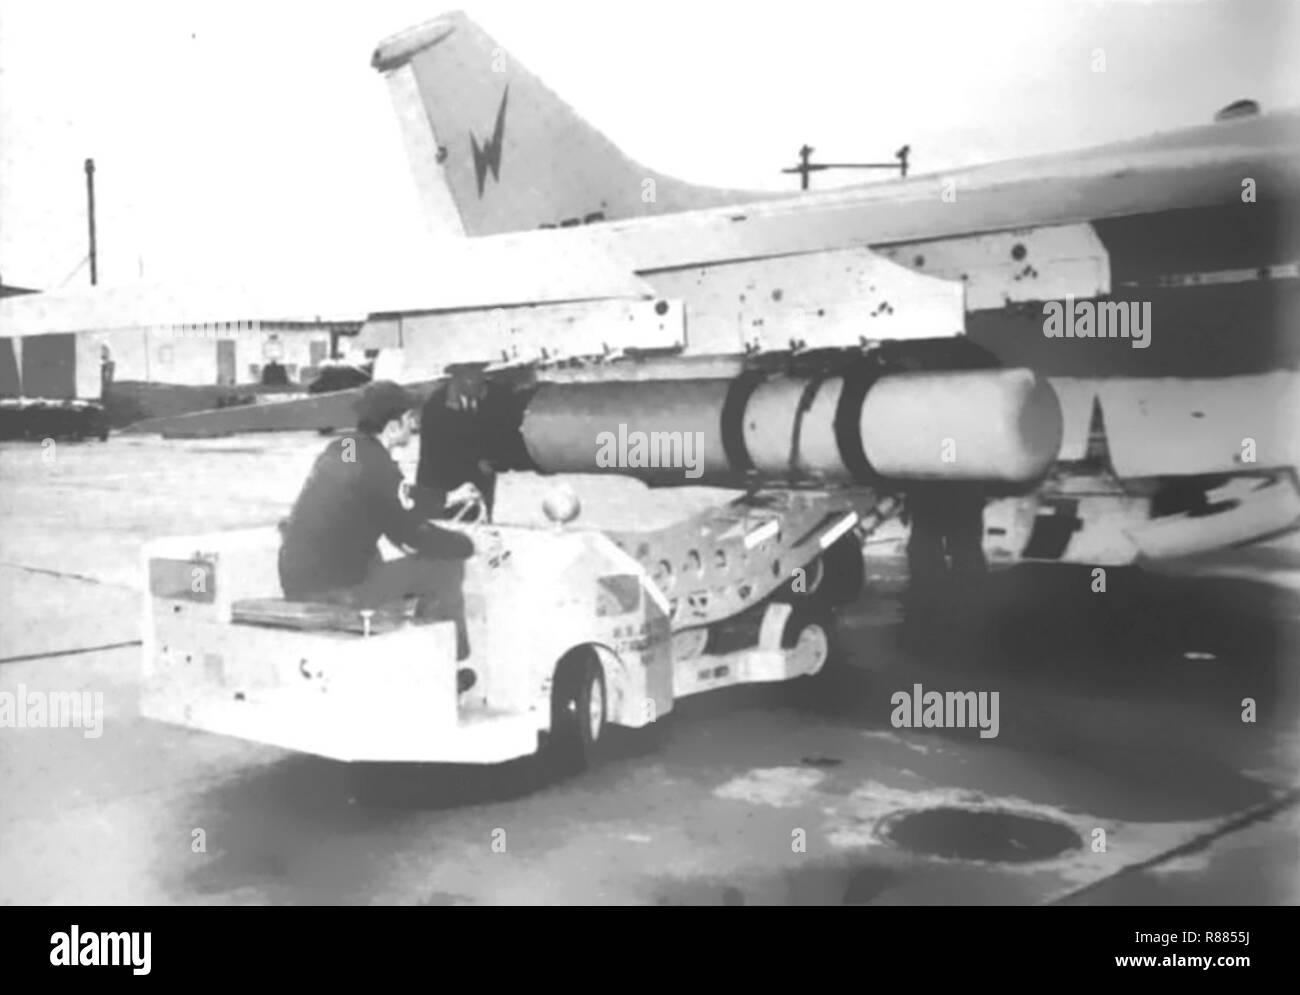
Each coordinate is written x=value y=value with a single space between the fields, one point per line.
x=1122 y=772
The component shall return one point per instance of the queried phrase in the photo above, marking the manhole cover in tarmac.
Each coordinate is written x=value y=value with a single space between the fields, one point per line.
x=978 y=834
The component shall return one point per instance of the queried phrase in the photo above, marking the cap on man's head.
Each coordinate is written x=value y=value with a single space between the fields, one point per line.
x=381 y=401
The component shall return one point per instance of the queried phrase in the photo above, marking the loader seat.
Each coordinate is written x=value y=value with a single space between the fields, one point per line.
x=320 y=615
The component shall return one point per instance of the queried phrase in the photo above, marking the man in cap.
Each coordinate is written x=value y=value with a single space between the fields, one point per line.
x=330 y=541
x=463 y=428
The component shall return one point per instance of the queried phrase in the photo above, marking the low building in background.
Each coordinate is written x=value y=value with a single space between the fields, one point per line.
x=137 y=349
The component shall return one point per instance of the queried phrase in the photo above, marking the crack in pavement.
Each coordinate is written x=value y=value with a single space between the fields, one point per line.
x=1242 y=820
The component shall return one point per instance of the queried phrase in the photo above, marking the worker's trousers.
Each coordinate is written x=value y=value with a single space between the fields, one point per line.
x=438 y=585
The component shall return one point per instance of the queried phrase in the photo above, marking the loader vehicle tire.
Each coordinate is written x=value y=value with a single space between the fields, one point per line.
x=579 y=711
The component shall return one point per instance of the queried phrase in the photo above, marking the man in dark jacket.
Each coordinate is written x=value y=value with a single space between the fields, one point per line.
x=464 y=429
x=330 y=541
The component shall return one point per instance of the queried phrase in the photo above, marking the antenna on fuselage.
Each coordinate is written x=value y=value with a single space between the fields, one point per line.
x=806 y=166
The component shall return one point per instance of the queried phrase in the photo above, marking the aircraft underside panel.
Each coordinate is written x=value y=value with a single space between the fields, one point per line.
x=1175 y=427
x=427 y=344
x=1244 y=510
x=820 y=300
x=1215 y=289
x=1107 y=526
x=1007 y=267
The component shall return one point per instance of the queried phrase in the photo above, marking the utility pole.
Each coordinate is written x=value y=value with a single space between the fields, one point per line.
x=90 y=204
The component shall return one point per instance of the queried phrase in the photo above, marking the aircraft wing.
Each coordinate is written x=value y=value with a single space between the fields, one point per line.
x=1160 y=468
x=316 y=412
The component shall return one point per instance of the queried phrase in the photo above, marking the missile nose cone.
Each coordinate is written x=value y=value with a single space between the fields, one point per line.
x=977 y=425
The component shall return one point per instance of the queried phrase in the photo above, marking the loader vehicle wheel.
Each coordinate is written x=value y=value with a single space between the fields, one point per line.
x=578 y=712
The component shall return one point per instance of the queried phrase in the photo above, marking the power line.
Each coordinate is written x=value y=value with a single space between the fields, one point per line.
x=75 y=270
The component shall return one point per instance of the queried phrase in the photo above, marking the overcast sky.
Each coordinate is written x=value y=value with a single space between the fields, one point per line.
x=250 y=139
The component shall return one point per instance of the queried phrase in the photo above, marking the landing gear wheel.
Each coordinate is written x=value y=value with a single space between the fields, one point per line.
x=578 y=713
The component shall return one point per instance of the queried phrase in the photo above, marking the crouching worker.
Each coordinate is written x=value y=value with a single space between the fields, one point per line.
x=330 y=549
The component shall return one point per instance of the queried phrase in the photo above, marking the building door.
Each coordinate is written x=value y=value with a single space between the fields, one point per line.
x=50 y=365
x=226 y=362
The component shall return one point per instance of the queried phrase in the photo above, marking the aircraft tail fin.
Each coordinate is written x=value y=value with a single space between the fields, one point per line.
x=494 y=150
